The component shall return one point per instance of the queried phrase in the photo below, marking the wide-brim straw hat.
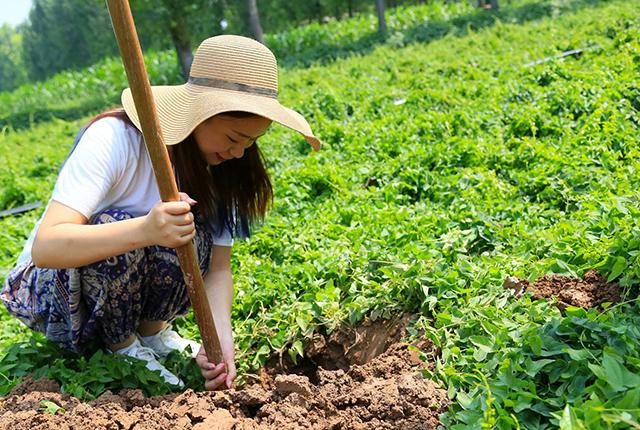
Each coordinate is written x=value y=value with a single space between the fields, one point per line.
x=228 y=73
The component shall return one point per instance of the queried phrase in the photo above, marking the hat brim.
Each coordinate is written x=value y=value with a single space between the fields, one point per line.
x=181 y=108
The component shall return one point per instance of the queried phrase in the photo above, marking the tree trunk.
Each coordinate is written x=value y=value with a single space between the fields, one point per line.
x=182 y=42
x=350 y=8
x=317 y=8
x=494 y=5
x=381 y=21
x=179 y=30
x=254 y=21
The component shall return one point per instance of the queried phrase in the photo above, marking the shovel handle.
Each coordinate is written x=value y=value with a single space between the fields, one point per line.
x=127 y=37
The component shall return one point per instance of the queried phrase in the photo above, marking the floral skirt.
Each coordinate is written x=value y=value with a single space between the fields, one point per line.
x=105 y=300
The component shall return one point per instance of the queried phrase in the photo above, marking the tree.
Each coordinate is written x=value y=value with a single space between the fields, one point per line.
x=350 y=8
x=12 y=71
x=64 y=34
x=254 y=21
x=182 y=21
x=381 y=21
x=491 y=4
x=67 y=34
x=179 y=31
x=72 y=34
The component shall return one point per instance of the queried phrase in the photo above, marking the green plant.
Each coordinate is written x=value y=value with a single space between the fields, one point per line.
x=447 y=165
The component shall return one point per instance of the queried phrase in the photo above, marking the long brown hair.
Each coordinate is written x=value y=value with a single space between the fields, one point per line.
x=233 y=195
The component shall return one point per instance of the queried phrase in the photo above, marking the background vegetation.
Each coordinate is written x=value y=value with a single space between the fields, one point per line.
x=450 y=162
x=73 y=34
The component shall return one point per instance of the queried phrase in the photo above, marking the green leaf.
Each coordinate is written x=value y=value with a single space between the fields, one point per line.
x=619 y=266
x=464 y=399
x=631 y=400
x=599 y=371
x=296 y=350
x=617 y=375
x=482 y=342
x=49 y=407
x=574 y=311
x=569 y=421
x=524 y=401
x=579 y=354
x=297 y=347
x=484 y=346
x=535 y=343
x=534 y=367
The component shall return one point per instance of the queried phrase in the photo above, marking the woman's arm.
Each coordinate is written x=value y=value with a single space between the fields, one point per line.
x=219 y=286
x=64 y=238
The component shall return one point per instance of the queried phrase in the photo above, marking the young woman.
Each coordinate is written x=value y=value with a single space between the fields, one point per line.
x=101 y=262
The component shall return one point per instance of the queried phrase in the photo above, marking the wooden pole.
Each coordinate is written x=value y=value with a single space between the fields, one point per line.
x=127 y=37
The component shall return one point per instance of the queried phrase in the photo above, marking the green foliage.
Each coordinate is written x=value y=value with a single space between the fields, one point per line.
x=86 y=376
x=12 y=71
x=585 y=360
x=87 y=38
x=85 y=29
x=73 y=94
x=447 y=165
x=72 y=34
x=278 y=16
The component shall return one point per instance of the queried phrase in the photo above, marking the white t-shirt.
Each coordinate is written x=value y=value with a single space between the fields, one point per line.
x=109 y=168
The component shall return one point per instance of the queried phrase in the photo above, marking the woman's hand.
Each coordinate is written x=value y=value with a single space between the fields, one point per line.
x=170 y=224
x=217 y=376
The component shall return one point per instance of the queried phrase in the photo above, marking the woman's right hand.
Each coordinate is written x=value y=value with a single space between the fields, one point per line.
x=170 y=224
x=218 y=376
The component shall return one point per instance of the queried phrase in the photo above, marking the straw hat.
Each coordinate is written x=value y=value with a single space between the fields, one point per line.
x=229 y=73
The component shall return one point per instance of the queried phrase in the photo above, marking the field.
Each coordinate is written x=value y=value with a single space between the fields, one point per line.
x=469 y=177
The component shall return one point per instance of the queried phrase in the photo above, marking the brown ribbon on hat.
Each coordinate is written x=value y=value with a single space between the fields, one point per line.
x=233 y=86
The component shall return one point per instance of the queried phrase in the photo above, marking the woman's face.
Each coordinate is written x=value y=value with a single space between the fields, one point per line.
x=222 y=137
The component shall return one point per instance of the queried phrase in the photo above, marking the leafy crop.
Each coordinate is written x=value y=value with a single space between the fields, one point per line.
x=447 y=165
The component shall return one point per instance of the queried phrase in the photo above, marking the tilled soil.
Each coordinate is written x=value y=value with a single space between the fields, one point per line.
x=385 y=391
x=589 y=292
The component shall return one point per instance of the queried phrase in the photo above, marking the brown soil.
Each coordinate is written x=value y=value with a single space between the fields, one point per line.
x=368 y=381
x=589 y=292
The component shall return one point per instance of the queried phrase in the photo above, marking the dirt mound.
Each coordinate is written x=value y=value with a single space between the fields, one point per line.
x=386 y=391
x=589 y=292
x=29 y=384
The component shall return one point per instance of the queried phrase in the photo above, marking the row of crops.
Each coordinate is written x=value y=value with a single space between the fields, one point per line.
x=449 y=163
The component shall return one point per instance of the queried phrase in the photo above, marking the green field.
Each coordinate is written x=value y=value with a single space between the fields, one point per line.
x=447 y=166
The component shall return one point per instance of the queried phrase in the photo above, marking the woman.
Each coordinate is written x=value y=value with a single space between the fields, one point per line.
x=101 y=262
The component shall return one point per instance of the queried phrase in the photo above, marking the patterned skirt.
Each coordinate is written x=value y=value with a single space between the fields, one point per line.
x=106 y=300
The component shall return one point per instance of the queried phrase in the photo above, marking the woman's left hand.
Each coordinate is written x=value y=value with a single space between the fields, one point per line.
x=218 y=376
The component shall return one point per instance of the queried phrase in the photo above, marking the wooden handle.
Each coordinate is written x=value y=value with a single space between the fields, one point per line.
x=127 y=37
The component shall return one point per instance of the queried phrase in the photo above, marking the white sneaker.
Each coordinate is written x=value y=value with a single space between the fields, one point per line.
x=167 y=340
x=136 y=350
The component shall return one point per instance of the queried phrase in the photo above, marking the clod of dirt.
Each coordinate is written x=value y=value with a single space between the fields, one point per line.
x=219 y=419
x=28 y=385
x=589 y=292
x=287 y=384
x=386 y=393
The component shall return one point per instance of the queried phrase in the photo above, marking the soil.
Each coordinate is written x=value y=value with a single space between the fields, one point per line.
x=589 y=292
x=363 y=378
